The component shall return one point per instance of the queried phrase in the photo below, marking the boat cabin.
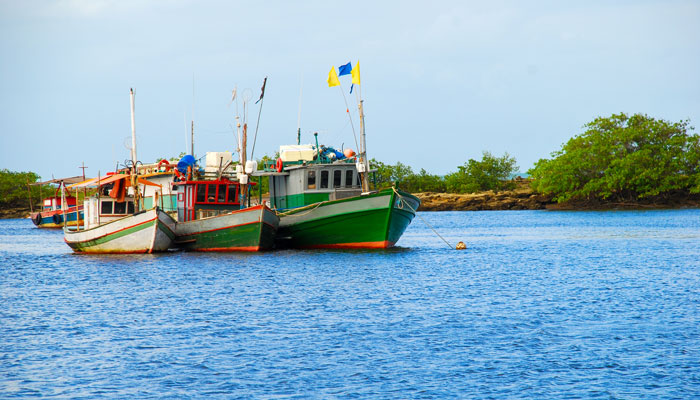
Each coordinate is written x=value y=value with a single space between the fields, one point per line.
x=164 y=195
x=301 y=185
x=54 y=203
x=206 y=198
x=100 y=210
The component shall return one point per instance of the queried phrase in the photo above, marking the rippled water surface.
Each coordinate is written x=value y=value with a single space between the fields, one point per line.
x=541 y=305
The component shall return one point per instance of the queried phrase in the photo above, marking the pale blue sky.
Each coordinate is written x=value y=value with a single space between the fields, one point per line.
x=442 y=80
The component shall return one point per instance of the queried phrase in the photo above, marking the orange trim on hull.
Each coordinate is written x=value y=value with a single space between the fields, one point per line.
x=113 y=252
x=52 y=225
x=105 y=252
x=222 y=228
x=359 y=245
x=112 y=233
x=244 y=248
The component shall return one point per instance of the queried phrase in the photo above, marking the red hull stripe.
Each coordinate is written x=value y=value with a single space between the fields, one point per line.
x=123 y=229
x=51 y=213
x=226 y=227
x=359 y=245
x=109 y=252
x=242 y=248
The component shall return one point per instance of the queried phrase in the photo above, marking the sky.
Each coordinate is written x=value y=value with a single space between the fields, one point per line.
x=442 y=81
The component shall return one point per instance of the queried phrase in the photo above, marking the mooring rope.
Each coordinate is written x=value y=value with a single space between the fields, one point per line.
x=295 y=210
x=418 y=215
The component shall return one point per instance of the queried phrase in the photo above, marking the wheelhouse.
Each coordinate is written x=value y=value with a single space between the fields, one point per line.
x=203 y=199
x=54 y=203
x=307 y=184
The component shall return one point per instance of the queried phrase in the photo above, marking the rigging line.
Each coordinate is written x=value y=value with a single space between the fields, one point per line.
x=257 y=124
x=301 y=90
x=307 y=209
x=347 y=110
x=419 y=216
x=235 y=135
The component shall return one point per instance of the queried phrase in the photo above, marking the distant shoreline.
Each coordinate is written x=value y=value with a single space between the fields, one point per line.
x=522 y=198
x=14 y=212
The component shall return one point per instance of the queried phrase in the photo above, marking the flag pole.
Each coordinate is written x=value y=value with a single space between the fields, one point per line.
x=257 y=124
x=301 y=90
x=347 y=110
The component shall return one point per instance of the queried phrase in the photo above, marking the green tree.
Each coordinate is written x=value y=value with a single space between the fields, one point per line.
x=425 y=182
x=403 y=176
x=491 y=173
x=382 y=175
x=622 y=158
x=13 y=188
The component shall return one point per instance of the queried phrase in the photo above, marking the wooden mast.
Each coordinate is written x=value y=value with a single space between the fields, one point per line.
x=134 y=170
x=363 y=151
x=243 y=178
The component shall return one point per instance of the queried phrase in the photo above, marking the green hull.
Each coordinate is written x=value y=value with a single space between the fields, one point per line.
x=251 y=229
x=373 y=221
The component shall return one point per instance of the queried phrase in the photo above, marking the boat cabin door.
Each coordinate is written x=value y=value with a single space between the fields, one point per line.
x=185 y=203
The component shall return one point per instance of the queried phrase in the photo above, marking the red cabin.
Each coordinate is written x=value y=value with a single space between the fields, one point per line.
x=203 y=199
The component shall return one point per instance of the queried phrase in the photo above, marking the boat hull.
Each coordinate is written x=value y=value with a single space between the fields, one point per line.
x=250 y=229
x=145 y=232
x=374 y=221
x=55 y=218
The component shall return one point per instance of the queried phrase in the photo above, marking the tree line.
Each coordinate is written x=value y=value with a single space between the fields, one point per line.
x=489 y=173
x=616 y=158
x=622 y=158
x=15 y=189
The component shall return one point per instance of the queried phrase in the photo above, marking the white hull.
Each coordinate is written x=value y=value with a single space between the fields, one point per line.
x=145 y=232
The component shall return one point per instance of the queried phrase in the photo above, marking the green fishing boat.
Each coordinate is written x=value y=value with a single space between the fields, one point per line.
x=371 y=220
x=324 y=199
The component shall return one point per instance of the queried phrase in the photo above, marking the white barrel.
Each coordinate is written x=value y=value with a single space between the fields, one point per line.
x=251 y=166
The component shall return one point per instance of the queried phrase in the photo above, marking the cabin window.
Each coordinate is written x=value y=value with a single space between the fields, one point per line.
x=130 y=207
x=106 y=207
x=311 y=180
x=232 y=198
x=201 y=193
x=337 y=176
x=348 y=178
x=120 y=207
x=357 y=180
x=211 y=193
x=324 y=180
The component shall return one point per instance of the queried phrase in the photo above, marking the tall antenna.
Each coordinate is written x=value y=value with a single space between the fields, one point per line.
x=184 y=119
x=133 y=130
x=257 y=124
x=192 y=132
x=301 y=88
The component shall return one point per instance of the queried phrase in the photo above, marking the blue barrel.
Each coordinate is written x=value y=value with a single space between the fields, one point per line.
x=186 y=161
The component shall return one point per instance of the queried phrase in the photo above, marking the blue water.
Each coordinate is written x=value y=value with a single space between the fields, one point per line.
x=541 y=305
